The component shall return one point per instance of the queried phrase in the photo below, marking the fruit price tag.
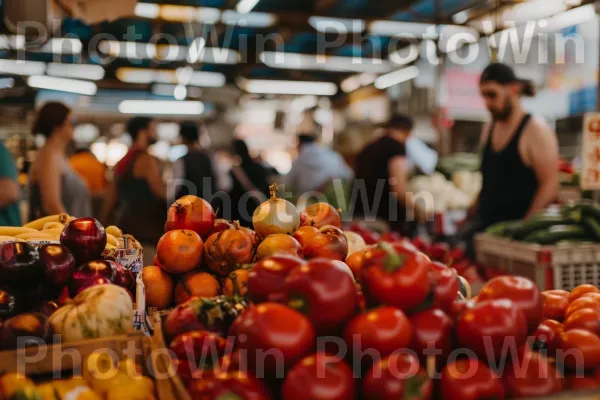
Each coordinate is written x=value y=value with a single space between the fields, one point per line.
x=590 y=171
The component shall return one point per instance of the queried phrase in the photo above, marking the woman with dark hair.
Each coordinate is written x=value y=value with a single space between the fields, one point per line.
x=54 y=187
x=250 y=184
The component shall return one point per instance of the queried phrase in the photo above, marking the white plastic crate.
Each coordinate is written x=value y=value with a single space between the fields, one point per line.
x=562 y=266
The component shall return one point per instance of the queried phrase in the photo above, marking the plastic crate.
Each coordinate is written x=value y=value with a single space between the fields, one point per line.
x=562 y=266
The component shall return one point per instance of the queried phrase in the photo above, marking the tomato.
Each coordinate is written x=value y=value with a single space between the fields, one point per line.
x=438 y=251
x=581 y=349
x=521 y=291
x=272 y=327
x=319 y=377
x=368 y=235
x=460 y=306
x=547 y=336
x=324 y=292
x=581 y=290
x=555 y=304
x=583 y=382
x=530 y=376
x=397 y=377
x=391 y=237
x=267 y=276
x=232 y=385
x=198 y=346
x=594 y=296
x=586 y=318
x=384 y=329
x=491 y=321
x=394 y=275
x=432 y=329
x=470 y=379
x=444 y=286
x=582 y=302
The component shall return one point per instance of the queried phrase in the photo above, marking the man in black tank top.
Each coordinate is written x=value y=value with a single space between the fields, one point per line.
x=520 y=153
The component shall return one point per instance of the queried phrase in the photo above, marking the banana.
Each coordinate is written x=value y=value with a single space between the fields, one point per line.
x=8 y=239
x=113 y=230
x=14 y=230
x=37 y=236
x=53 y=225
x=38 y=224
x=53 y=232
x=112 y=240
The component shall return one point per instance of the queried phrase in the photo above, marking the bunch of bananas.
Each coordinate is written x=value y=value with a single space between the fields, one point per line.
x=48 y=229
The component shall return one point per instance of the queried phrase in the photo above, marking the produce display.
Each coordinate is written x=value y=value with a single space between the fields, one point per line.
x=63 y=285
x=575 y=223
x=102 y=378
x=458 y=193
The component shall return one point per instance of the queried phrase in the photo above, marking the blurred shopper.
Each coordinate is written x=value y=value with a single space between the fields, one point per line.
x=10 y=192
x=520 y=152
x=54 y=186
x=193 y=173
x=138 y=194
x=250 y=185
x=315 y=167
x=381 y=174
x=93 y=172
x=520 y=156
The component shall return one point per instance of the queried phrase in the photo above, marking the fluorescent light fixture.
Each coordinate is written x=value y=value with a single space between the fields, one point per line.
x=12 y=42
x=130 y=50
x=245 y=6
x=17 y=67
x=327 y=63
x=338 y=25
x=160 y=107
x=163 y=89
x=396 y=77
x=135 y=75
x=79 y=71
x=217 y=55
x=171 y=52
x=532 y=10
x=405 y=55
x=7 y=83
x=207 y=79
x=62 y=46
x=453 y=37
x=355 y=82
x=196 y=49
x=63 y=84
x=176 y=13
x=461 y=17
x=180 y=92
x=208 y=15
x=261 y=86
x=252 y=20
x=147 y=10
x=569 y=18
x=402 y=29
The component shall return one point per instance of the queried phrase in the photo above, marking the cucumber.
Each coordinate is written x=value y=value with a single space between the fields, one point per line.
x=556 y=234
x=540 y=222
x=590 y=210
x=593 y=227
x=505 y=228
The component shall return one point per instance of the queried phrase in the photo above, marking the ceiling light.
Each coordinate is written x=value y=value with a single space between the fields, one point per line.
x=208 y=79
x=17 y=67
x=171 y=52
x=402 y=29
x=262 y=86
x=162 y=89
x=80 y=71
x=175 y=13
x=217 y=55
x=63 y=85
x=338 y=25
x=327 y=63
x=396 y=77
x=135 y=75
x=405 y=55
x=12 y=42
x=130 y=50
x=453 y=37
x=532 y=10
x=569 y=18
x=208 y=15
x=62 y=46
x=150 y=107
x=245 y=6
x=461 y=17
x=196 y=49
x=252 y=20
x=180 y=92
x=350 y=84
x=147 y=10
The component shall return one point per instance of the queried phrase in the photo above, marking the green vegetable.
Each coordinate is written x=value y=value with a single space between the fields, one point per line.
x=593 y=227
x=505 y=228
x=541 y=222
x=556 y=234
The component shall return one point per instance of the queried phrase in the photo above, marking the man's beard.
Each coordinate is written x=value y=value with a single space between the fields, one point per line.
x=504 y=114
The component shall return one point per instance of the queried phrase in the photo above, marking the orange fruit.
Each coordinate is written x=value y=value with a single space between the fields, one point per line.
x=159 y=287
x=240 y=276
x=180 y=251
x=196 y=284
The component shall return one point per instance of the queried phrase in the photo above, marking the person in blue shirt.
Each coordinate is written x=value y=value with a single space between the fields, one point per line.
x=10 y=192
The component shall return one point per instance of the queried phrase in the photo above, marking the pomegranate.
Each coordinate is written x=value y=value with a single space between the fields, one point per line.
x=321 y=214
x=275 y=216
x=179 y=251
x=221 y=225
x=330 y=242
x=304 y=233
x=228 y=249
x=191 y=213
x=279 y=244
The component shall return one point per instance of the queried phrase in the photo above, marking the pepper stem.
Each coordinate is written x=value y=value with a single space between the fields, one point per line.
x=236 y=225
x=273 y=190
x=393 y=261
